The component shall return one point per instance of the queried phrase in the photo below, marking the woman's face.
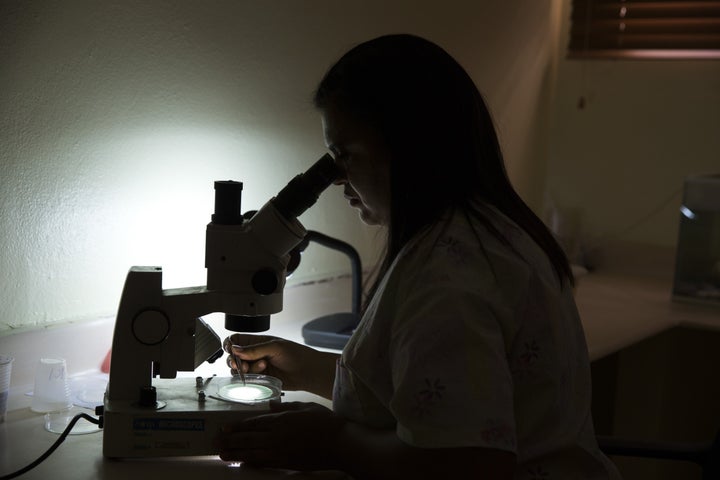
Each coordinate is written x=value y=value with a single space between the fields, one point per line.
x=364 y=163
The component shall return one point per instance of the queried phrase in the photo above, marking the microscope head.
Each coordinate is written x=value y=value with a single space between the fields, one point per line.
x=249 y=254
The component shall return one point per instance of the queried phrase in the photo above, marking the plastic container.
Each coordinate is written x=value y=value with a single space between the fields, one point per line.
x=697 y=264
x=5 y=372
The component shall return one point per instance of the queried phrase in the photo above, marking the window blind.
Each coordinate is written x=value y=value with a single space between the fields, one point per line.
x=645 y=29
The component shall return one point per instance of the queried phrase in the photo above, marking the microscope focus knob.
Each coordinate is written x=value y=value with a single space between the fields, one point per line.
x=265 y=281
x=148 y=397
x=150 y=327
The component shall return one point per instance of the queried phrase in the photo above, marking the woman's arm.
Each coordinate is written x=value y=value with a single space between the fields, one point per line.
x=365 y=453
x=301 y=436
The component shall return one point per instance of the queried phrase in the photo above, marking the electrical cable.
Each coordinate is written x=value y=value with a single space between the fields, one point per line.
x=601 y=241
x=54 y=446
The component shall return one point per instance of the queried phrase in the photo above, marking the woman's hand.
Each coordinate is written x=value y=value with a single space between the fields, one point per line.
x=295 y=436
x=299 y=367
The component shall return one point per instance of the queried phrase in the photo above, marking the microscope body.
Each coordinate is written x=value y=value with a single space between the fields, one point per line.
x=159 y=332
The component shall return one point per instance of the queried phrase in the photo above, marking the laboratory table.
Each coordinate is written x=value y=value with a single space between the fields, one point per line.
x=620 y=304
x=23 y=438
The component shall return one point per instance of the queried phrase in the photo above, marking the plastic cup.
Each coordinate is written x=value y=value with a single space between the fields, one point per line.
x=52 y=389
x=57 y=422
x=5 y=371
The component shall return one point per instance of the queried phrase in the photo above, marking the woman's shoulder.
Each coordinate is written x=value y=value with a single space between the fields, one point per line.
x=481 y=227
x=455 y=243
x=477 y=242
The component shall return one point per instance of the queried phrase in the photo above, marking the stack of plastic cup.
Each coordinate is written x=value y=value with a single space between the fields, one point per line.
x=5 y=371
x=52 y=388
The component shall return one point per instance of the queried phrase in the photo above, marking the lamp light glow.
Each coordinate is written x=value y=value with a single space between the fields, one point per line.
x=256 y=390
x=245 y=393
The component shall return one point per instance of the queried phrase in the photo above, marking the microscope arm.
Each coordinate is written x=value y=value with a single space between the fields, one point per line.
x=157 y=331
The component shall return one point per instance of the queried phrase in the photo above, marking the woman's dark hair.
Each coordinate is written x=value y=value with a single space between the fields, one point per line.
x=440 y=134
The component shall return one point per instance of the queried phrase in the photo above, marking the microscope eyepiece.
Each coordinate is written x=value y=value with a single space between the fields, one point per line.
x=228 y=203
x=303 y=191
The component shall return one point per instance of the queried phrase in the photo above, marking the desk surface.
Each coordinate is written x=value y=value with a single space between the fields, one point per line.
x=618 y=311
x=618 y=307
x=23 y=438
x=628 y=298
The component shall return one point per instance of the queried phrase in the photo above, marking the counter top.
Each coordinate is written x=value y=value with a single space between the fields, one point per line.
x=23 y=438
x=620 y=304
x=618 y=311
x=628 y=298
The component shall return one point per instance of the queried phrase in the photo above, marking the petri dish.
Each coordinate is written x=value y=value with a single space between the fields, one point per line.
x=256 y=389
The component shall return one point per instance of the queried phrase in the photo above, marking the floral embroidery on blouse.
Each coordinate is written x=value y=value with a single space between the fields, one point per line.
x=453 y=248
x=524 y=362
x=531 y=352
x=498 y=434
x=538 y=473
x=428 y=396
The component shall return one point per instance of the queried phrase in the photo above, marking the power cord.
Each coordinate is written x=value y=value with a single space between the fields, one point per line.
x=54 y=446
x=608 y=238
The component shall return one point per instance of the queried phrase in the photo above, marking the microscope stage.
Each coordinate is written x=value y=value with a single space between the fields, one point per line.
x=187 y=418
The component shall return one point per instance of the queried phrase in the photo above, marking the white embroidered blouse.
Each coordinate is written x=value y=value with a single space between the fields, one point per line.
x=470 y=341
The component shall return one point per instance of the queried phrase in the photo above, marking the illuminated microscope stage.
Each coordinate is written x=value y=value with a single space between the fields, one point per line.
x=188 y=416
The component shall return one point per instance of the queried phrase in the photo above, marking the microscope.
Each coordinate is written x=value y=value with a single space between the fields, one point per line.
x=148 y=411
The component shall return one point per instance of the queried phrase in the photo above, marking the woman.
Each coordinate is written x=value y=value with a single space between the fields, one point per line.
x=470 y=359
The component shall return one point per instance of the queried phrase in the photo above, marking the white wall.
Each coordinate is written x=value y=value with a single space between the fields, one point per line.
x=621 y=160
x=117 y=116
